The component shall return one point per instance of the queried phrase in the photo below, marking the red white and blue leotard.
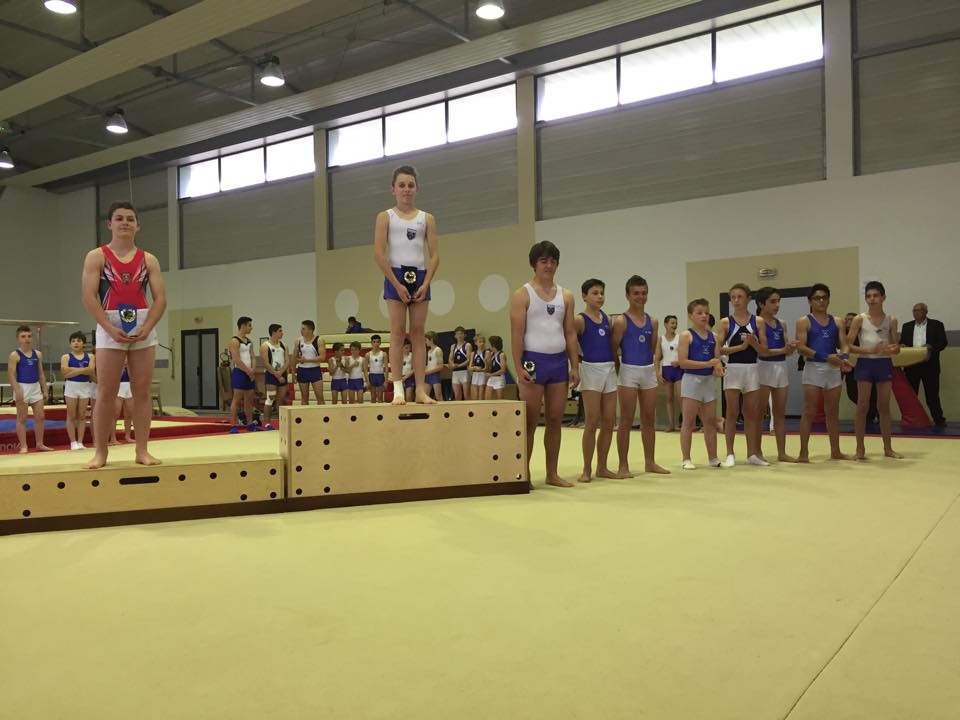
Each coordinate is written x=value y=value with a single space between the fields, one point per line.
x=123 y=283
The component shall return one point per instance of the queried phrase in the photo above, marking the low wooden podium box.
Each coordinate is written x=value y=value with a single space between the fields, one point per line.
x=358 y=454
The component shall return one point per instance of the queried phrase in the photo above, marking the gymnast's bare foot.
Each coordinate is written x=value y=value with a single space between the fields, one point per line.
x=861 y=455
x=585 y=477
x=891 y=453
x=606 y=473
x=803 y=458
x=654 y=468
x=98 y=461
x=23 y=450
x=424 y=399
x=43 y=448
x=146 y=458
x=841 y=456
x=558 y=481
x=787 y=458
x=624 y=472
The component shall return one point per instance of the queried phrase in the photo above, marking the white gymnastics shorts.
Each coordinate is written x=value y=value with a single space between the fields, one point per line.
x=73 y=389
x=32 y=393
x=773 y=374
x=105 y=341
x=598 y=377
x=641 y=377
x=822 y=375
x=741 y=376
x=460 y=377
x=124 y=393
x=702 y=388
x=496 y=382
x=479 y=379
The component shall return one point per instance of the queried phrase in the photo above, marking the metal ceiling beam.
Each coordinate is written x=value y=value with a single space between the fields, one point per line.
x=441 y=23
x=73 y=100
x=185 y=29
x=589 y=25
x=160 y=11
x=78 y=47
x=438 y=21
x=155 y=70
x=291 y=40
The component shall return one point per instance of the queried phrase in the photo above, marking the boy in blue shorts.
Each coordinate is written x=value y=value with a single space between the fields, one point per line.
x=377 y=368
x=242 y=377
x=879 y=338
x=29 y=384
x=636 y=337
x=276 y=364
x=546 y=352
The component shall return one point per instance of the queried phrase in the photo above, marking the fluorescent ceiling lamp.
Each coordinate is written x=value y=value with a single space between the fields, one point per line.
x=490 y=9
x=116 y=124
x=6 y=161
x=61 y=7
x=271 y=75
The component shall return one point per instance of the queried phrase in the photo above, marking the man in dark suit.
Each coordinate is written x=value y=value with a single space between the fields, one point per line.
x=926 y=332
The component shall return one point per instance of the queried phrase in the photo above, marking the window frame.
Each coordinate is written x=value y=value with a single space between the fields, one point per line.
x=219 y=159
x=712 y=33
x=446 y=126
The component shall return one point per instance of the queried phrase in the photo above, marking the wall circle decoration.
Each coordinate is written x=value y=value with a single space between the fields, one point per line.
x=494 y=293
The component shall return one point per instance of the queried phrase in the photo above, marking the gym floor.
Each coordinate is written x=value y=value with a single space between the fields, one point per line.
x=800 y=592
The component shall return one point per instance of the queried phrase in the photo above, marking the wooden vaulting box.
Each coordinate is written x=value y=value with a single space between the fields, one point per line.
x=352 y=454
x=57 y=495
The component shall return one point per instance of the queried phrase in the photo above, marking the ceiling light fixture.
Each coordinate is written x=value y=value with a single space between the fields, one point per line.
x=61 y=7
x=6 y=160
x=490 y=9
x=115 y=123
x=270 y=73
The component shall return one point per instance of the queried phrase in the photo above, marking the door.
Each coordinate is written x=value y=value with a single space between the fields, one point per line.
x=199 y=360
x=793 y=306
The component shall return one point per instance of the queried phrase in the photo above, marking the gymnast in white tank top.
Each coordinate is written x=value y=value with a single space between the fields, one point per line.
x=405 y=249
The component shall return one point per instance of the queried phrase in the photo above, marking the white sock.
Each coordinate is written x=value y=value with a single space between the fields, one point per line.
x=715 y=462
x=398 y=387
x=756 y=460
x=688 y=465
x=730 y=461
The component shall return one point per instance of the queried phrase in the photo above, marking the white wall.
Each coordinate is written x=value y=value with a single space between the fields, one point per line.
x=30 y=286
x=905 y=224
x=29 y=235
x=281 y=290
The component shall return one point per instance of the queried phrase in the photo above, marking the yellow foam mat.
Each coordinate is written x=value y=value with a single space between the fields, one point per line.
x=714 y=594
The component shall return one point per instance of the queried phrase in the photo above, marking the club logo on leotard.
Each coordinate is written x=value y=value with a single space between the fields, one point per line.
x=128 y=315
x=601 y=332
x=411 y=233
x=551 y=309
x=125 y=277
x=643 y=339
x=410 y=277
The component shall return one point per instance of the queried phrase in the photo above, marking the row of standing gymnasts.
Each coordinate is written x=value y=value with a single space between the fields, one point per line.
x=749 y=352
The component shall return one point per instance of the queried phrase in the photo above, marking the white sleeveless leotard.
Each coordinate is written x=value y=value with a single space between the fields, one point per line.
x=375 y=362
x=544 y=330
x=406 y=240
x=871 y=334
x=308 y=354
x=356 y=372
